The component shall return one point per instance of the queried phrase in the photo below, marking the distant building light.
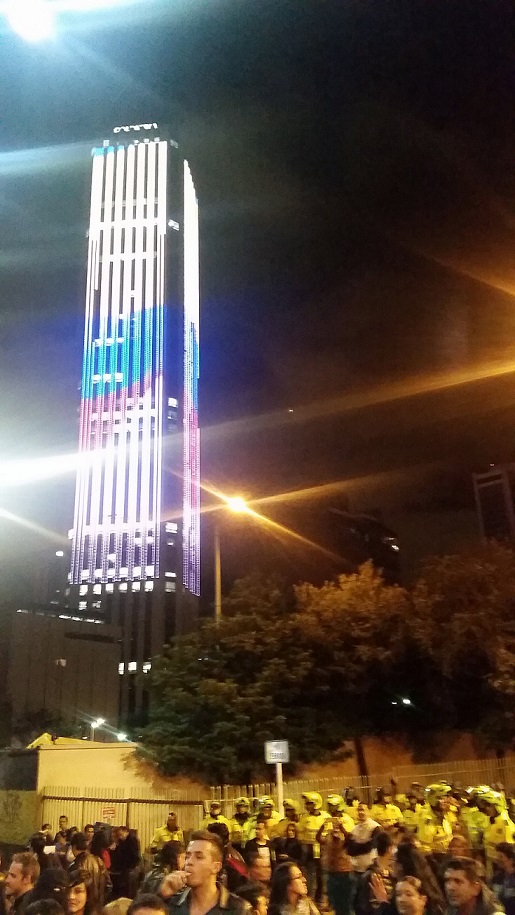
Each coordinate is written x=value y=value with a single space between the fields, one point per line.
x=59 y=553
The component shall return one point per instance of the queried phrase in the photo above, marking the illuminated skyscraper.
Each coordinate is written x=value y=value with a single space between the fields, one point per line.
x=135 y=557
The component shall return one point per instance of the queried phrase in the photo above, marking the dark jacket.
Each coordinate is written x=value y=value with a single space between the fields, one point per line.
x=288 y=850
x=126 y=856
x=21 y=904
x=228 y=904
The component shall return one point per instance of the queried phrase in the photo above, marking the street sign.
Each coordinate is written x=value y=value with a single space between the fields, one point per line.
x=108 y=813
x=277 y=751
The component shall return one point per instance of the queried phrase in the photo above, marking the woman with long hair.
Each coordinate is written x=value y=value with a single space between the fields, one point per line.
x=409 y=898
x=288 y=847
x=99 y=846
x=410 y=862
x=79 y=896
x=289 y=892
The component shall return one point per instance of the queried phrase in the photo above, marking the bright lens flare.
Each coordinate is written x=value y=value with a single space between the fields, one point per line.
x=19 y=473
x=33 y=20
x=237 y=504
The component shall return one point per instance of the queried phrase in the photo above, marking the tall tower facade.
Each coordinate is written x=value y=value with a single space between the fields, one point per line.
x=135 y=542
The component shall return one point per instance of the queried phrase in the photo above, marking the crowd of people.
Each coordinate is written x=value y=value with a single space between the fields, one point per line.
x=434 y=851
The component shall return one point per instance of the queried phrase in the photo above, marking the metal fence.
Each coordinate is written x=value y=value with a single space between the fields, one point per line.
x=142 y=810
x=136 y=808
x=464 y=773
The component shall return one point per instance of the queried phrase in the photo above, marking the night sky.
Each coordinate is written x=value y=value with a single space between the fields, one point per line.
x=354 y=163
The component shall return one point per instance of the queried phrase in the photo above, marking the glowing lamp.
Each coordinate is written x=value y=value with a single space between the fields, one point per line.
x=32 y=20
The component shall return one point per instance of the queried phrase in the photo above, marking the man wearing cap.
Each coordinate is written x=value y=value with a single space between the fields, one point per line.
x=291 y=815
x=238 y=822
x=215 y=816
x=169 y=833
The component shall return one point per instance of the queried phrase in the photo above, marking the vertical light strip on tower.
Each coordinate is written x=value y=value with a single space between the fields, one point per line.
x=191 y=452
x=117 y=503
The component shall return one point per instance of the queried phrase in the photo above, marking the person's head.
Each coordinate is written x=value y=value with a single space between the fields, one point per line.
x=506 y=857
x=335 y=804
x=171 y=821
x=78 y=843
x=22 y=874
x=412 y=800
x=45 y=907
x=63 y=823
x=78 y=896
x=122 y=833
x=37 y=843
x=409 y=899
x=312 y=802
x=291 y=809
x=379 y=796
x=462 y=881
x=261 y=829
x=70 y=833
x=52 y=883
x=288 y=885
x=291 y=831
x=204 y=856
x=98 y=843
x=220 y=830
x=215 y=809
x=171 y=855
x=242 y=805
x=363 y=813
x=255 y=895
x=384 y=845
x=46 y=828
x=89 y=832
x=147 y=904
x=459 y=847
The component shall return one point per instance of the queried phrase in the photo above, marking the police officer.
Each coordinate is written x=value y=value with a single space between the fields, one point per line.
x=238 y=821
x=435 y=830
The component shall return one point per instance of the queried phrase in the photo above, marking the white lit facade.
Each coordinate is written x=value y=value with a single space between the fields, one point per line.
x=135 y=558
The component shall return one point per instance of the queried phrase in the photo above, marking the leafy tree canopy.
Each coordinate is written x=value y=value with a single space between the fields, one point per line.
x=320 y=665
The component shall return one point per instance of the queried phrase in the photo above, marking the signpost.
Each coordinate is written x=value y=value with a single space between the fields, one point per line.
x=278 y=752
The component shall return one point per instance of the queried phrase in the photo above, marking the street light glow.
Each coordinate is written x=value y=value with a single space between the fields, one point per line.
x=237 y=504
x=32 y=20
x=98 y=723
x=406 y=701
x=121 y=736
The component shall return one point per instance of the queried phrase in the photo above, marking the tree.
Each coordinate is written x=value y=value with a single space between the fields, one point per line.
x=323 y=665
x=463 y=623
x=273 y=669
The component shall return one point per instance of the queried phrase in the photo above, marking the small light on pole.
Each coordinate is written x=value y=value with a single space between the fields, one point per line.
x=406 y=701
x=121 y=737
x=97 y=723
